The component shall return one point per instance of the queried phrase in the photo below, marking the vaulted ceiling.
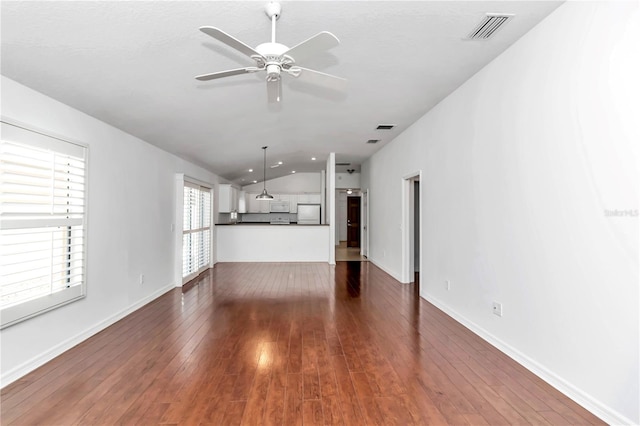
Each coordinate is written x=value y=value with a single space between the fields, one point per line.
x=132 y=65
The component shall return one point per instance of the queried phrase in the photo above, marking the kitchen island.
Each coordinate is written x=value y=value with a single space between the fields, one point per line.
x=263 y=242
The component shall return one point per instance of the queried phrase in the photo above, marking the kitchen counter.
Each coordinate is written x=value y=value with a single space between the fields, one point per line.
x=263 y=242
x=267 y=224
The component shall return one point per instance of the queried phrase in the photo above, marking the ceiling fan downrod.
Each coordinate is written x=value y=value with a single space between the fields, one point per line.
x=273 y=10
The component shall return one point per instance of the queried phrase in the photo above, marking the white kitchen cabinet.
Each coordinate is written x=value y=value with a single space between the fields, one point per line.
x=256 y=206
x=309 y=198
x=242 y=202
x=284 y=197
x=227 y=198
x=293 y=203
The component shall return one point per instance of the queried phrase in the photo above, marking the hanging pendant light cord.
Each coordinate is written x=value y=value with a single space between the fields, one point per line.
x=265 y=195
x=264 y=170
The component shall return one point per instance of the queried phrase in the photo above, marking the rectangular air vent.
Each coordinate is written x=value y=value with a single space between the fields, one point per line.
x=385 y=126
x=489 y=25
x=343 y=164
x=373 y=141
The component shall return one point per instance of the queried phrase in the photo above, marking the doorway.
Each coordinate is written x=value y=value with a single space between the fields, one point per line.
x=411 y=225
x=365 y=224
x=353 y=222
x=349 y=222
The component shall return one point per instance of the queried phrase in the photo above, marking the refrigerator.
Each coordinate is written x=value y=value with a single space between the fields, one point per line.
x=308 y=214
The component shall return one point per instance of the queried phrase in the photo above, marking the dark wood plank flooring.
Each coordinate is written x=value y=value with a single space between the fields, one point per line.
x=287 y=344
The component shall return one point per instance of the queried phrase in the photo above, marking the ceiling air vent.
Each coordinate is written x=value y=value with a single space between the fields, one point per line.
x=343 y=164
x=373 y=141
x=385 y=126
x=489 y=25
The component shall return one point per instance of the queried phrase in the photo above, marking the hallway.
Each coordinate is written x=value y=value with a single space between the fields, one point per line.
x=344 y=253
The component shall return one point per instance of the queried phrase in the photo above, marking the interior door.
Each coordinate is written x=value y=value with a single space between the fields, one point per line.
x=353 y=221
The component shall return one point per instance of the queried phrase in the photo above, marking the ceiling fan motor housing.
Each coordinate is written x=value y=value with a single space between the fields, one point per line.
x=273 y=53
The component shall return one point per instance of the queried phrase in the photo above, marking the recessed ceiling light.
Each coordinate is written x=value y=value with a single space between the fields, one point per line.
x=250 y=170
x=385 y=126
x=255 y=181
x=279 y=163
x=373 y=141
x=313 y=158
x=293 y=171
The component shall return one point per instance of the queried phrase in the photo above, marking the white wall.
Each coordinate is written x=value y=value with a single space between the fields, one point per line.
x=294 y=183
x=330 y=203
x=347 y=180
x=519 y=166
x=130 y=212
x=341 y=216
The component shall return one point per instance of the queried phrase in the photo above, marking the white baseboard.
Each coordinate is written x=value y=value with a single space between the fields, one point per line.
x=393 y=274
x=28 y=366
x=590 y=403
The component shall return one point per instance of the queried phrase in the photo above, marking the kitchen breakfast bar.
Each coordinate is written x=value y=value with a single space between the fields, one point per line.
x=259 y=242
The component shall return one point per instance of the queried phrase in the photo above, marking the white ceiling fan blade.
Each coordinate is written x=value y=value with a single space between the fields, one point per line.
x=274 y=91
x=312 y=46
x=228 y=73
x=319 y=78
x=230 y=41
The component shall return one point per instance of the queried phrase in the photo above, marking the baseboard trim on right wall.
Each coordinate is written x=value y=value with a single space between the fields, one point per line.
x=591 y=404
x=388 y=271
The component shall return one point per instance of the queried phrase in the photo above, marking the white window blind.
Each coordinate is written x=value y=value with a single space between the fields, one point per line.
x=42 y=217
x=196 y=230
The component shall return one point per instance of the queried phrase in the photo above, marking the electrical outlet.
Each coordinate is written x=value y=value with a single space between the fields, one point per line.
x=141 y=279
x=447 y=284
x=497 y=309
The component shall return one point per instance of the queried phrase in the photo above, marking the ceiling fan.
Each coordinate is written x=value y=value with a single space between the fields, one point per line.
x=275 y=58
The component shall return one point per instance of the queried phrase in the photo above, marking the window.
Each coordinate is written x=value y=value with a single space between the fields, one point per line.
x=42 y=223
x=196 y=230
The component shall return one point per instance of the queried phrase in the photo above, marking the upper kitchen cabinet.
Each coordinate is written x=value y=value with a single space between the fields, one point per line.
x=309 y=198
x=293 y=203
x=227 y=198
x=242 y=202
x=256 y=206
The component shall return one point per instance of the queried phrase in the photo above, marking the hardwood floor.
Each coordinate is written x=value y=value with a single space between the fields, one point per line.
x=344 y=253
x=287 y=344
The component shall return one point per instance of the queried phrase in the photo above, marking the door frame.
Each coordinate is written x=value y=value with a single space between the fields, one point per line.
x=364 y=223
x=408 y=240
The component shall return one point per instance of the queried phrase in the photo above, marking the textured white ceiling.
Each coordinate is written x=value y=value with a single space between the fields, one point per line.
x=132 y=65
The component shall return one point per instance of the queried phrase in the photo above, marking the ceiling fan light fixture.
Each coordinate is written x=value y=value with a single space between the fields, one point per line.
x=273 y=72
x=264 y=195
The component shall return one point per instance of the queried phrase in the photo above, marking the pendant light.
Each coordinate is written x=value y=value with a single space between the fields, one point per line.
x=265 y=195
